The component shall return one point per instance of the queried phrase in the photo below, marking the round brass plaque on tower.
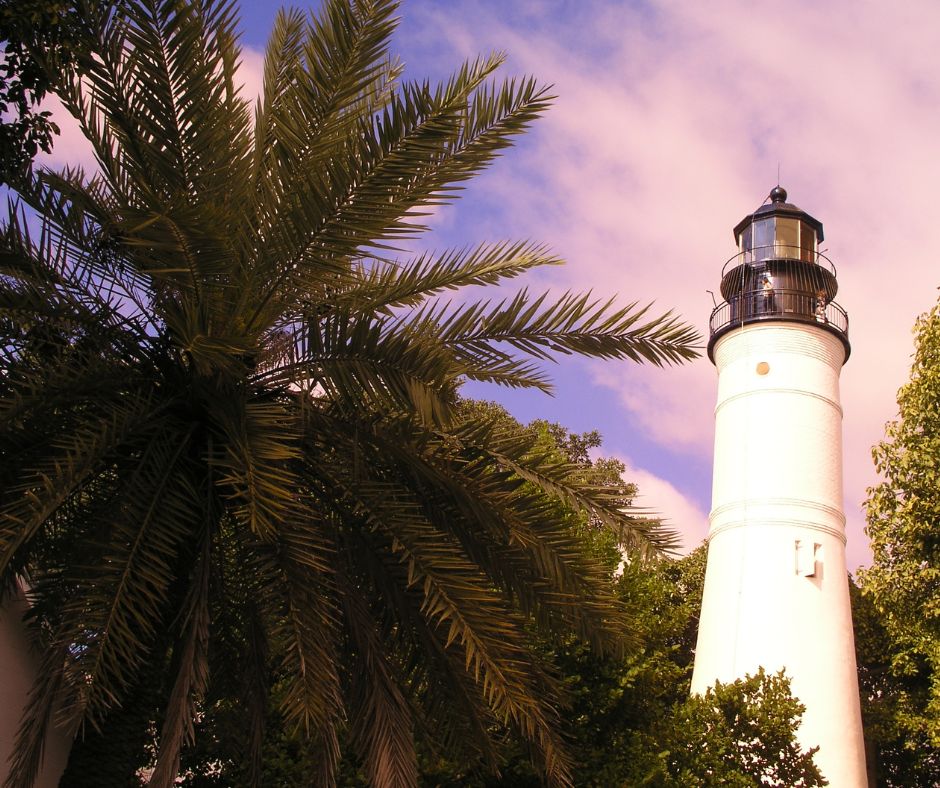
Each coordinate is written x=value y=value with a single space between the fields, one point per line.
x=763 y=368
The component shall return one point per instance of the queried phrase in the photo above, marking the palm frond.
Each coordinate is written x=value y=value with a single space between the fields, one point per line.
x=645 y=536
x=315 y=77
x=255 y=469
x=39 y=491
x=511 y=529
x=116 y=614
x=573 y=323
x=381 y=729
x=374 y=364
x=359 y=196
x=462 y=607
x=447 y=704
x=395 y=284
x=192 y=674
x=304 y=617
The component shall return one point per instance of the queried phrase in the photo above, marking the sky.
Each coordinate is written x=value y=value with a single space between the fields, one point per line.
x=671 y=123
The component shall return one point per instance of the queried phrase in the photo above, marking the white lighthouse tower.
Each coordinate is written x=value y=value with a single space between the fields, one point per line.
x=776 y=590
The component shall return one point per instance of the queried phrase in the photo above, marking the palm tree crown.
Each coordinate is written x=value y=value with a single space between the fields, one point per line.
x=232 y=446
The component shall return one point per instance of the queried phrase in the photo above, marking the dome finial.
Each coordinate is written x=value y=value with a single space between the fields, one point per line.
x=778 y=194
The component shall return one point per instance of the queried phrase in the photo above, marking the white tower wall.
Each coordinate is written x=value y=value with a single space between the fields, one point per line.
x=17 y=672
x=776 y=590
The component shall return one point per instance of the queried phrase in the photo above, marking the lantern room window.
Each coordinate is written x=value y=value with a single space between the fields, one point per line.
x=764 y=239
x=744 y=240
x=807 y=243
x=778 y=238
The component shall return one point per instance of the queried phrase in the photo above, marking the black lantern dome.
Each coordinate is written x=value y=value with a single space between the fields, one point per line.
x=778 y=273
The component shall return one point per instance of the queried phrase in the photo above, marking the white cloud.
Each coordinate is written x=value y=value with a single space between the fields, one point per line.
x=251 y=74
x=70 y=147
x=661 y=497
x=669 y=128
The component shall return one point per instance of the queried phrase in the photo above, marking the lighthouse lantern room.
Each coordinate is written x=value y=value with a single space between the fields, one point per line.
x=778 y=273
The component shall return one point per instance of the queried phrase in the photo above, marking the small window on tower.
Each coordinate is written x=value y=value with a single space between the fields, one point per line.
x=806 y=558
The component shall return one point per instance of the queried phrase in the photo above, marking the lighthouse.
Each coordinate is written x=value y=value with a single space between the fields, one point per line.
x=776 y=589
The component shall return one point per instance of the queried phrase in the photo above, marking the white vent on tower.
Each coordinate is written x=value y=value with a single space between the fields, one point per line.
x=806 y=554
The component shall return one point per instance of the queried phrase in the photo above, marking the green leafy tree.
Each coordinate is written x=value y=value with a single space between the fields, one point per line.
x=898 y=750
x=903 y=514
x=898 y=613
x=232 y=456
x=631 y=720
x=41 y=40
x=740 y=734
x=619 y=706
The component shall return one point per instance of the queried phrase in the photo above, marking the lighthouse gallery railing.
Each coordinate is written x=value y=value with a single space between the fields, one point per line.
x=755 y=305
x=802 y=283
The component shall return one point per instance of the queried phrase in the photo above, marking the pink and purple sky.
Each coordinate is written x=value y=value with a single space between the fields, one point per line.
x=670 y=123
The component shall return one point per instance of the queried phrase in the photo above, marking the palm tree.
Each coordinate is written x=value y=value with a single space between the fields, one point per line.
x=231 y=446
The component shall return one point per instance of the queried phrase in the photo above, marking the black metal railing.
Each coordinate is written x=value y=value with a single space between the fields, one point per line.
x=756 y=305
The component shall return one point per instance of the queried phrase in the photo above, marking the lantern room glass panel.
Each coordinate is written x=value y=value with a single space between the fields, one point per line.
x=807 y=243
x=787 y=238
x=763 y=235
x=744 y=244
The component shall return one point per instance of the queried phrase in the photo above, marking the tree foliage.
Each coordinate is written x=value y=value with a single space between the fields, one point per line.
x=631 y=719
x=41 y=39
x=903 y=583
x=232 y=454
x=898 y=750
x=740 y=734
